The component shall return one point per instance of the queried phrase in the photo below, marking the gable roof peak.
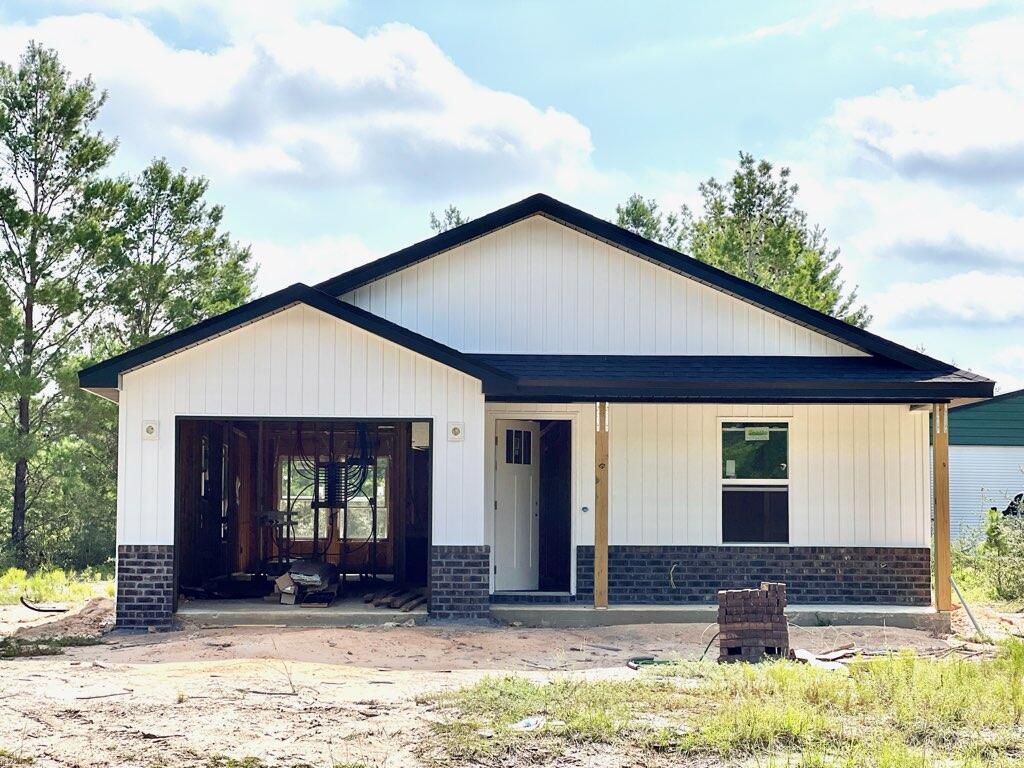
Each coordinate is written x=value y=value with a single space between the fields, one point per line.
x=624 y=239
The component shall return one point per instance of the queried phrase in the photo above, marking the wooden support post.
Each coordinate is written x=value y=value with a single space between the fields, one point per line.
x=940 y=474
x=601 y=509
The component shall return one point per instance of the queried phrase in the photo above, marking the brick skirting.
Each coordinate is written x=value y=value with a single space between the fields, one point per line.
x=460 y=582
x=694 y=574
x=145 y=586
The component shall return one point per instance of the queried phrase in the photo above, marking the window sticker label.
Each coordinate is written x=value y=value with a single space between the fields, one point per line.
x=756 y=434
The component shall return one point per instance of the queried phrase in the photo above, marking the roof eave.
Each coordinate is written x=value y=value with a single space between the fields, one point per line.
x=105 y=375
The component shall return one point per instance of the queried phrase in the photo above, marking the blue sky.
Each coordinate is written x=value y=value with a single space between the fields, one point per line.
x=329 y=130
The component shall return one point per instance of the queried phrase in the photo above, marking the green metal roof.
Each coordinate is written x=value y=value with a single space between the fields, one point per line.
x=997 y=421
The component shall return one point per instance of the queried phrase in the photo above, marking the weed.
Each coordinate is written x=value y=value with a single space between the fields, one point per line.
x=577 y=711
x=14 y=647
x=9 y=759
x=223 y=761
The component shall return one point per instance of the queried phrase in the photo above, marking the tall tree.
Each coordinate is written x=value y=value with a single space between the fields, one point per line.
x=751 y=227
x=176 y=265
x=644 y=216
x=51 y=237
x=450 y=218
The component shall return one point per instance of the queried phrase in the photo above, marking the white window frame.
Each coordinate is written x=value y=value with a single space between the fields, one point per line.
x=724 y=482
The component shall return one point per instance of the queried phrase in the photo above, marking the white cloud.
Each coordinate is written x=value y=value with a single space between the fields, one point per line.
x=314 y=104
x=970 y=299
x=827 y=16
x=918 y=9
x=926 y=252
x=1007 y=368
x=970 y=132
x=307 y=262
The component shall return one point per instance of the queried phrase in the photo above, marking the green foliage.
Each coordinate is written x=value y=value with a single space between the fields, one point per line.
x=644 y=216
x=54 y=585
x=9 y=759
x=14 y=648
x=894 y=711
x=53 y=241
x=450 y=218
x=750 y=227
x=175 y=266
x=88 y=267
x=590 y=712
x=989 y=565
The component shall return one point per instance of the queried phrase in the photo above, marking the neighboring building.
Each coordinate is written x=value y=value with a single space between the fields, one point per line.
x=535 y=406
x=986 y=459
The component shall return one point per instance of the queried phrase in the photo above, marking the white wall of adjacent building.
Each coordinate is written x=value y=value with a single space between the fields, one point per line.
x=981 y=477
x=539 y=287
x=297 y=363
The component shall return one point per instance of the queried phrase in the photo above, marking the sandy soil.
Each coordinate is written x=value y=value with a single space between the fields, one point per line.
x=315 y=696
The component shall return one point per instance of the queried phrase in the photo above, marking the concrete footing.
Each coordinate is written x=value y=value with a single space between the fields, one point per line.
x=909 y=617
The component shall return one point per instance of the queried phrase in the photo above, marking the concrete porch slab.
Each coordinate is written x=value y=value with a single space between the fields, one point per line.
x=344 y=613
x=527 y=615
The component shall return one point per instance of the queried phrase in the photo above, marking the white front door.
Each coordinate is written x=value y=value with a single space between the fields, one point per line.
x=516 y=512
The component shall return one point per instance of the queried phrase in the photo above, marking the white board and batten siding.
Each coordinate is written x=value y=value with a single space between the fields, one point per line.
x=539 y=287
x=297 y=363
x=982 y=477
x=858 y=474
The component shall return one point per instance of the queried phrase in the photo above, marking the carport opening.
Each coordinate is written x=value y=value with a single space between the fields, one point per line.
x=303 y=511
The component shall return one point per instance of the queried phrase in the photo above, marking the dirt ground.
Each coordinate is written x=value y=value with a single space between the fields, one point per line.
x=321 y=697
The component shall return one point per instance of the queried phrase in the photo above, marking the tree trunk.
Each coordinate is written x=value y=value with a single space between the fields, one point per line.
x=18 y=541
x=19 y=505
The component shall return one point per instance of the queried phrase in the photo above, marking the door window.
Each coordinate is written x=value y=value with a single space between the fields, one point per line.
x=518 y=446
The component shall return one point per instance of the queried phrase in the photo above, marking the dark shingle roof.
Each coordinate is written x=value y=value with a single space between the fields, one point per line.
x=730 y=377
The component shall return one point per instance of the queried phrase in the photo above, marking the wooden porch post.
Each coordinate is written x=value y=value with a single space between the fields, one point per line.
x=940 y=475
x=601 y=509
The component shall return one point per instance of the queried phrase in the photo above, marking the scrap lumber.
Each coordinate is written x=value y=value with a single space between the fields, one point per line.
x=398 y=600
x=411 y=598
x=414 y=603
x=385 y=597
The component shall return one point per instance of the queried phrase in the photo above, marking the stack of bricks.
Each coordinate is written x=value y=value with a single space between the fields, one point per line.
x=752 y=623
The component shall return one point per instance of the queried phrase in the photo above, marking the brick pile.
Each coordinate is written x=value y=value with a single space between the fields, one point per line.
x=752 y=623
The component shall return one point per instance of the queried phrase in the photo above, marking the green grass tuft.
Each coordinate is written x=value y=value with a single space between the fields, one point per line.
x=9 y=759
x=14 y=647
x=53 y=586
x=890 y=712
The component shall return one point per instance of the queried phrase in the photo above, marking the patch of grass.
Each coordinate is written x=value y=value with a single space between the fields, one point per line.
x=890 y=712
x=9 y=759
x=577 y=711
x=222 y=761
x=14 y=647
x=53 y=585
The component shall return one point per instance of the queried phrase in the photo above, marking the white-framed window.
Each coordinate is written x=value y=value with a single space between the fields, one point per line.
x=754 y=476
x=360 y=514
